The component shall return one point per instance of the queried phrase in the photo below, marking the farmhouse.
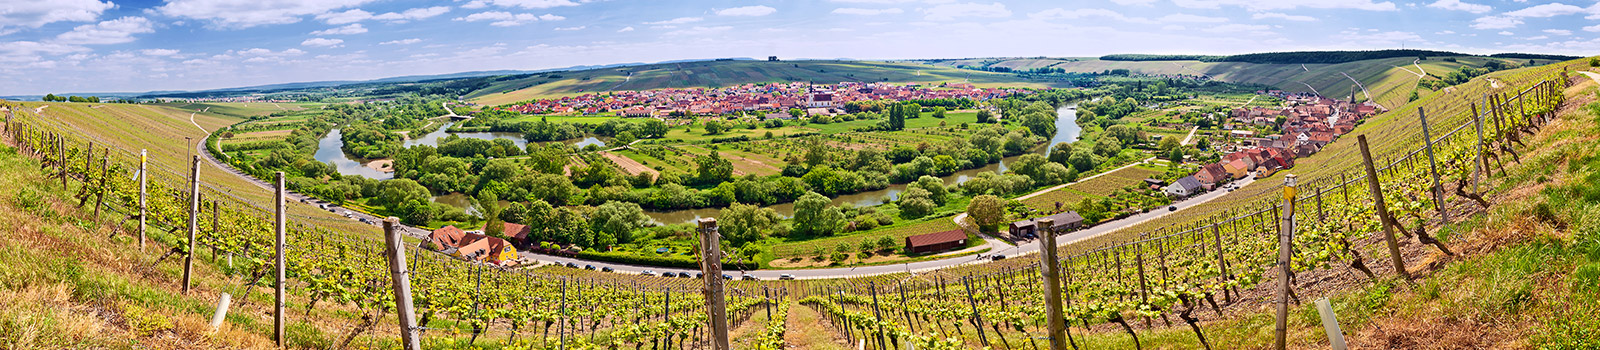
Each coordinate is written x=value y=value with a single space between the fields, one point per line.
x=1185 y=187
x=938 y=241
x=488 y=249
x=518 y=234
x=448 y=237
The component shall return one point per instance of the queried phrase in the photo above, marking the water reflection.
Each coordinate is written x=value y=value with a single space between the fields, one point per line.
x=331 y=150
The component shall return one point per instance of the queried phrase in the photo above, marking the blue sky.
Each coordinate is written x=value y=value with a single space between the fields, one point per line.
x=111 y=45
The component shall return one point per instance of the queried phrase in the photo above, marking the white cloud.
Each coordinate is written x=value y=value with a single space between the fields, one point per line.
x=527 y=4
x=413 y=14
x=747 y=11
x=946 y=12
x=679 y=20
x=401 y=42
x=1379 y=38
x=1445 y=32
x=158 y=52
x=1546 y=10
x=507 y=19
x=321 y=42
x=698 y=30
x=1559 y=32
x=114 y=31
x=37 y=13
x=571 y=28
x=625 y=29
x=1237 y=28
x=1457 y=5
x=344 y=17
x=1593 y=28
x=1258 y=5
x=353 y=28
x=1282 y=16
x=867 y=12
x=875 y=1
x=1134 y=2
x=250 y=13
x=1503 y=32
x=1495 y=22
x=1537 y=37
x=1188 y=18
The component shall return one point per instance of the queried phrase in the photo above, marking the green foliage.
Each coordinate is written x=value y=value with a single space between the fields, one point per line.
x=618 y=220
x=741 y=223
x=815 y=215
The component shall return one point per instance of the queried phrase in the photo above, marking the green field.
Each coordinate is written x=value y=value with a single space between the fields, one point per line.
x=729 y=73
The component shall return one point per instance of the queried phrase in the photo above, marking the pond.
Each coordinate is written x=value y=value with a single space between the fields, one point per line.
x=1067 y=130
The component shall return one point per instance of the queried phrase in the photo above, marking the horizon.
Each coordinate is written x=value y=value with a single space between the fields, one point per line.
x=189 y=45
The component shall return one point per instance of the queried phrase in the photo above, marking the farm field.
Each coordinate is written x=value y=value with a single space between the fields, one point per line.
x=727 y=73
x=1098 y=187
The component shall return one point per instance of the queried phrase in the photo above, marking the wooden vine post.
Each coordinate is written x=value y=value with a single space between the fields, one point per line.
x=280 y=234
x=1285 y=234
x=144 y=157
x=105 y=173
x=1050 y=269
x=194 y=221
x=1383 y=210
x=401 y=279
x=1433 y=168
x=877 y=314
x=711 y=268
x=1481 y=163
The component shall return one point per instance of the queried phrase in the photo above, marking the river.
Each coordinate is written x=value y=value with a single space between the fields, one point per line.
x=1067 y=130
x=330 y=150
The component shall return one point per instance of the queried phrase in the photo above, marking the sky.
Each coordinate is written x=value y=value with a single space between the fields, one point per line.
x=57 y=46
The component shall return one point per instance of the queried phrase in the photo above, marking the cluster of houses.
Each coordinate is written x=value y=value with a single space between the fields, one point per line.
x=815 y=99
x=1310 y=123
x=476 y=246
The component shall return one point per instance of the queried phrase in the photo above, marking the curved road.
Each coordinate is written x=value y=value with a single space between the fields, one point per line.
x=996 y=246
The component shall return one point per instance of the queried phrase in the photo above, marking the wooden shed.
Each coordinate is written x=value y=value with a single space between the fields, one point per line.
x=938 y=241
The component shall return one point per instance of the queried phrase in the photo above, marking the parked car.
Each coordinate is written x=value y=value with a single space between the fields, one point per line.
x=607 y=269
x=727 y=277
x=1172 y=208
x=750 y=277
x=572 y=265
x=663 y=250
x=648 y=273
x=686 y=275
x=786 y=277
x=997 y=257
x=699 y=275
x=588 y=267
x=669 y=274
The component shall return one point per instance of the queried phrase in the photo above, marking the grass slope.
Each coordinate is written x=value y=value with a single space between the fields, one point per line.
x=728 y=73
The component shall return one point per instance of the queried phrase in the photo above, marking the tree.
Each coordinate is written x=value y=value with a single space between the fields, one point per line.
x=1107 y=146
x=624 y=138
x=400 y=192
x=619 y=219
x=915 y=203
x=935 y=187
x=1040 y=119
x=1061 y=153
x=796 y=113
x=741 y=223
x=652 y=128
x=49 y=97
x=1176 y=155
x=985 y=117
x=714 y=127
x=987 y=211
x=713 y=169
x=815 y=215
x=491 y=210
x=938 y=112
x=1168 y=143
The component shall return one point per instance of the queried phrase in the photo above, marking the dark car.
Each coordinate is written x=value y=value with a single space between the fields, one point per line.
x=997 y=257
x=686 y=275
x=572 y=265
x=669 y=274
x=607 y=269
x=1172 y=208
x=588 y=267
x=727 y=276
x=786 y=277
x=699 y=275
x=750 y=277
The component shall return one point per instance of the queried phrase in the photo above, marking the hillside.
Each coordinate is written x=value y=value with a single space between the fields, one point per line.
x=726 y=73
x=1386 y=80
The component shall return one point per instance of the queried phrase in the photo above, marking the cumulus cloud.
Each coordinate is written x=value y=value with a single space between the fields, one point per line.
x=1188 y=18
x=867 y=12
x=1133 y=2
x=114 y=31
x=698 y=30
x=321 y=42
x=1370 y=37
x=1546 y=10
x=344 y=17
x=1282 y=16
x=527 y=4
x=571 y=28
x=158 y=52
x=412 y=14
x=250 y=13
x=353 y=28
x=676 y=21
x=752 y=11
x=1457 y=5
x=33 y=14
x=1593 y=28
x=625 y=29
x=507 y=19
x=946 y=12
x=401 y=42
x=1258 y=5
x=1495 y=22
x=1238 y=28
x=1560 y=32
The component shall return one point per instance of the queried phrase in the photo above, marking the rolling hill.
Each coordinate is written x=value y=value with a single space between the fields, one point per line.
x=725 y=73
x=1387 y=79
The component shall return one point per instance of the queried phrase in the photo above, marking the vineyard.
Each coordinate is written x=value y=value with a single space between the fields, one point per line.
x=1197 y=263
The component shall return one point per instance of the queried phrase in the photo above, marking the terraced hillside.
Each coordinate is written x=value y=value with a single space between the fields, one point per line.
x=725 y=73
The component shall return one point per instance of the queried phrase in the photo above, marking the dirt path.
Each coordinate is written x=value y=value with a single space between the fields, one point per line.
x=1057 y=187
x=808 y=330
x=40 y=109
x=1363 y=90
x=629 y=165
x=1186 y=139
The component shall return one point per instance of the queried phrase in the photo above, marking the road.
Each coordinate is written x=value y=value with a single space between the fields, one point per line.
x=1186 y=139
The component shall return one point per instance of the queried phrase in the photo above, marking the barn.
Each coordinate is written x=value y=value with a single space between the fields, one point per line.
x=934 y=242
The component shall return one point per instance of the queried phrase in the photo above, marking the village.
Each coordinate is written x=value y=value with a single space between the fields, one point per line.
x=813 y=99
x=1309 y=123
